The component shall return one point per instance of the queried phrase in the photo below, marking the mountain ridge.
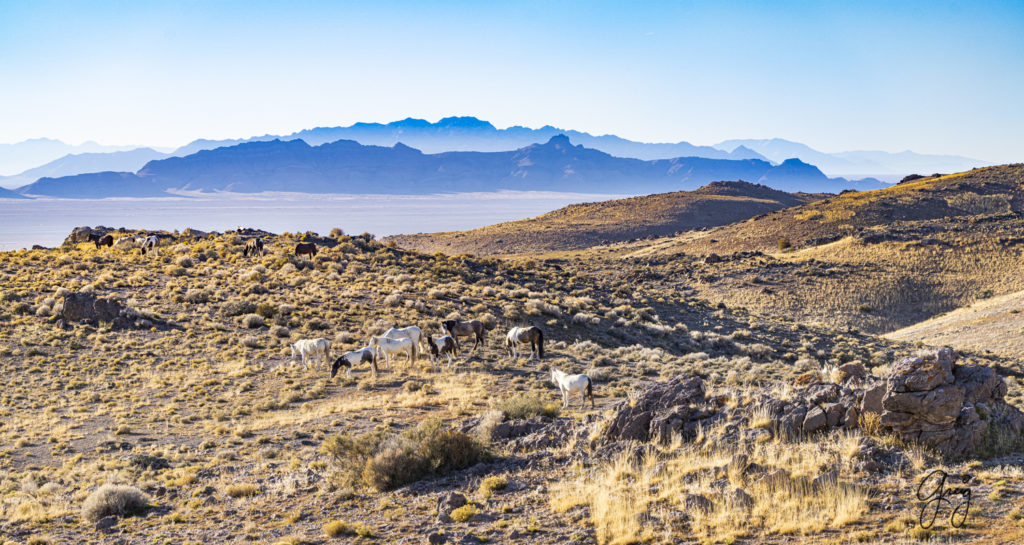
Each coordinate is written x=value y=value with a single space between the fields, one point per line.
x=346 y=166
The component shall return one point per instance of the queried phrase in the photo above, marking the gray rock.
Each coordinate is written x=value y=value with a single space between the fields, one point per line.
x=830 y=478
x=106 y=523
x=667 y=403
x=872 y=402
x=853 y=370
x=739 y=497
x=696 y=502
x=814 y=420
x=774 y=479
x=447 y=503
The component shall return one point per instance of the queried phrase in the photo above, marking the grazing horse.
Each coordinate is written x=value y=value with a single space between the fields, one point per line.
x=472 y=328
x=252 y=246
x=412 y=333
x=393 y=346
x=305 y=248
x=130 y=241
x=101 y=241
x=151 y=246
x=444 y=345
x=523 y=335
x=312 y=348
x=568 y=384
x=353 y=358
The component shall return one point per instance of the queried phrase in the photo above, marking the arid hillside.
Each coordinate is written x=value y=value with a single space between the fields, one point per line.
x=879 y=260
x=153 y=398
x=591 y=224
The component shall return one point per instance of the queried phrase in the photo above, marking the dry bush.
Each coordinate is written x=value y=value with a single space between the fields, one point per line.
x=523 y=407
x=252 y=321
x=112 y=499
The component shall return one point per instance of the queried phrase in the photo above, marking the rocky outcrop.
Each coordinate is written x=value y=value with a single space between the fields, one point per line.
x=81 y=234
x=929 y=401
x=676 y=407
x=86 y=307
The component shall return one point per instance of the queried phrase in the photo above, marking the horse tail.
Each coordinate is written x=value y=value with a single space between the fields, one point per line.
x=590 y=391
x=540 y=344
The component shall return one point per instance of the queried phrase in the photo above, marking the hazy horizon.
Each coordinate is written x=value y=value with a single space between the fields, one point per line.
x=835 y=77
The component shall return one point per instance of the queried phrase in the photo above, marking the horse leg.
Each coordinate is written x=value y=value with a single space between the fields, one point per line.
x=565 y=396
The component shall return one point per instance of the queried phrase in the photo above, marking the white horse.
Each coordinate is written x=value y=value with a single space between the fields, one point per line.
x=319 y=348
x=412 y=333
x=393 y=346
x=151 y=246
x=568 y=384
x=130 y=241
x=353 y=358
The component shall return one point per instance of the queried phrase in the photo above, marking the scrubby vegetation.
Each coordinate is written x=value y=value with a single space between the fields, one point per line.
x=195 y=406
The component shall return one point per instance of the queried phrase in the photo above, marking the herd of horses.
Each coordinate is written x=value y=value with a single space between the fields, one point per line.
x=410 y=341
x=150 y=245
x=395 y=341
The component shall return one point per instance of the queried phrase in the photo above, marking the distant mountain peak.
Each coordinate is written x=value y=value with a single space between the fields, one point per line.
x=465 y=122
x=559 y=140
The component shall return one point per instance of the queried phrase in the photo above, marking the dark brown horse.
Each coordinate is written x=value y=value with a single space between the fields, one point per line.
x=252 y=246
x=305 y=248
x=101 y=241
x=472 y=328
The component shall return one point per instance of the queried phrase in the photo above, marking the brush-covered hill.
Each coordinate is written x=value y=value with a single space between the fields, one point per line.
x=879 y=260
x=591 y=224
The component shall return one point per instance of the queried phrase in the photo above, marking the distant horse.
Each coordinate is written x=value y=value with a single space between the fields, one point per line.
x=130 y=241
x=443 y=346
x=412 y=333
x=151 y=246
x=305 y=248
x=101 y=241
x=523 y=335
x=568 y=384
x=252 y=246
x=315 y=349
x=356 y=357
x=472 y=328
x=394 y=346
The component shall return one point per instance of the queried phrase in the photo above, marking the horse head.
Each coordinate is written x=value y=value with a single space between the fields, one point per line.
x=434 y=352
x=338 y=363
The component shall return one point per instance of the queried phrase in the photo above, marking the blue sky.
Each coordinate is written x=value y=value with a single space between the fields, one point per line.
x=935 y=77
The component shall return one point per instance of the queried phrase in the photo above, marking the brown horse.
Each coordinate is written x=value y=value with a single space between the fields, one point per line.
x=305 y=248
x=252 y=246
x=523 y=335
x=472 y=328
x=101 y=241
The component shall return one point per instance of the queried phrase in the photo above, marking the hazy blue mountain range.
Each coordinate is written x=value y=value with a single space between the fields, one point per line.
x=472 y=134
x=346 y=166
x=15 y=158
x=8 y=194
x=856 y=163
x=69 y=165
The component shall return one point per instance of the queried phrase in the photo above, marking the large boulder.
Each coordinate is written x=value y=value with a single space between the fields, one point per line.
x=661 y=411
x=86 y=307
x=928 y=400
x=81 y=234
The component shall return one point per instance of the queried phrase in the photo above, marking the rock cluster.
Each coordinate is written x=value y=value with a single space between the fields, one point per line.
x=86 y=307
x=931 y=401
x=676 y=407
